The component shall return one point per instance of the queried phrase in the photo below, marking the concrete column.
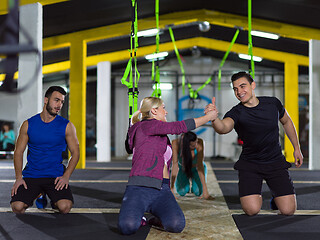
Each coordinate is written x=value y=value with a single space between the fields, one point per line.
x=104 y=112
x=314 y=104
x=30 y=100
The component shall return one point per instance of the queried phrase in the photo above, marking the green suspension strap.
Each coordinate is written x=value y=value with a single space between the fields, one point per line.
x=225 y=57
x=221 y=64
x=183 y=80
x=132 y=86
x=156 y=73
x=251 y=70
x=136 y=72
x=192 y=93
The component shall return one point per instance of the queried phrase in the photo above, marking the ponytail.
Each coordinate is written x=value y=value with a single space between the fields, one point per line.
x=135 y=117
x=186 y=152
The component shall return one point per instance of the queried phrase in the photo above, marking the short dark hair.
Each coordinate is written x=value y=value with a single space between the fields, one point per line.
x=238 y=75
x=53 y=89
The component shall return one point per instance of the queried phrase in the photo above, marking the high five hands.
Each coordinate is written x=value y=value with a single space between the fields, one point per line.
x=211 y=106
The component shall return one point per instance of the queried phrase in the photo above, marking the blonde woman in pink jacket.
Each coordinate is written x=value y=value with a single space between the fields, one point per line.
x=148 y=188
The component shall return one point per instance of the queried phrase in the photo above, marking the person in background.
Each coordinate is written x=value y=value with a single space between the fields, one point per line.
x=148 y=188
x=188 y=165
x=7 y=138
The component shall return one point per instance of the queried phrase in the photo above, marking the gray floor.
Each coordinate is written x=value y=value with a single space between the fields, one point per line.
x=270 y=225
x=90 y=190
x=101 y=186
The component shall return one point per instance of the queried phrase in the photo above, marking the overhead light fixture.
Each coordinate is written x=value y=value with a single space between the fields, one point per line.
x=164 y=86
x=1 y=82
x=204 y=26
x=265 y=35
x=156 y=56
x=148 y=33
x=248 y=57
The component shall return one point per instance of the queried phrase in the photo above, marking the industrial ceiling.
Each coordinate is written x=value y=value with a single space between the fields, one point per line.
x=65 y=17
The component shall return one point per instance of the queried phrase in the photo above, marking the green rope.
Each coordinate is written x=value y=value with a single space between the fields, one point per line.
x=221 y=64
x=157 y=25
x=11 y=4
x=156 y=73
x=225 y=57
x=132 y=85
x=194 y=93
x=136 y=72
x=250 y=39
x=179 y=60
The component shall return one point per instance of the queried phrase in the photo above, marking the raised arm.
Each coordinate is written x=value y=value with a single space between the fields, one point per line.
x=223 y=126
x=73 y=145
x=220 y=126
x=291 y=132
x=200 y=169
x=20 y=147
x=210 y=114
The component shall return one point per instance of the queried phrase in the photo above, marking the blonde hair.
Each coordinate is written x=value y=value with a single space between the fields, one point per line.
x=145 y=108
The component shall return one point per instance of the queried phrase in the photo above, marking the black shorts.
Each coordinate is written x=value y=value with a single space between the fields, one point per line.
x=40 y=185
x=279 y=182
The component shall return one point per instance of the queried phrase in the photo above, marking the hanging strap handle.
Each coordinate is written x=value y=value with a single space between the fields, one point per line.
x=225 y=57
x=251 y=69
x=155 y=67
x=179 y=60
x=132 y=85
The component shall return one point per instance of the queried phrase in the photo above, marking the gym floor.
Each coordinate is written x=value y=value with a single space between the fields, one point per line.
x=98 y=192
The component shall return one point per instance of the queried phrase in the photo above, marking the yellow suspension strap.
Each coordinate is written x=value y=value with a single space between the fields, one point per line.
x=251 y=68
x=155 y=67
x=130 y=70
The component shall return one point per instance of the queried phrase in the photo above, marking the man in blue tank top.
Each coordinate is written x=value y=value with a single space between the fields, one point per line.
x=255 y=119
x=47 y=135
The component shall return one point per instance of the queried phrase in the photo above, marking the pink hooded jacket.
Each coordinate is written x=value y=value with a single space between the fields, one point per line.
x=148 y=139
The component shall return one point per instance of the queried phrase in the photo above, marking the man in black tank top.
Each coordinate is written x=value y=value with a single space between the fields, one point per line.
x=255 y=119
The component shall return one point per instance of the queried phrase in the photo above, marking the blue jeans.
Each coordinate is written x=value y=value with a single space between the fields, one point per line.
x=160 y=202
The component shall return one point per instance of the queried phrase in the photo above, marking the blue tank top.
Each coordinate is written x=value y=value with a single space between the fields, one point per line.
x=46 y=143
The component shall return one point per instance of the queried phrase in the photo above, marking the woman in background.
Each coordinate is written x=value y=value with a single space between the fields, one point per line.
x=188 y=166
x=7 y=138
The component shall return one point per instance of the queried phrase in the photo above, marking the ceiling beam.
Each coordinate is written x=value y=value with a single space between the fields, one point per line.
x=212 y=44
x=180 y=18
x=4 y=4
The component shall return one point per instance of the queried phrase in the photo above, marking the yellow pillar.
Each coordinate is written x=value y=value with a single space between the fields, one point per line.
x=77 y=97
x=291 y=101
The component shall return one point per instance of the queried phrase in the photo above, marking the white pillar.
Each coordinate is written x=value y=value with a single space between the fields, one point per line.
x=30 y=100
x=314 y=104
x=104 y=112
